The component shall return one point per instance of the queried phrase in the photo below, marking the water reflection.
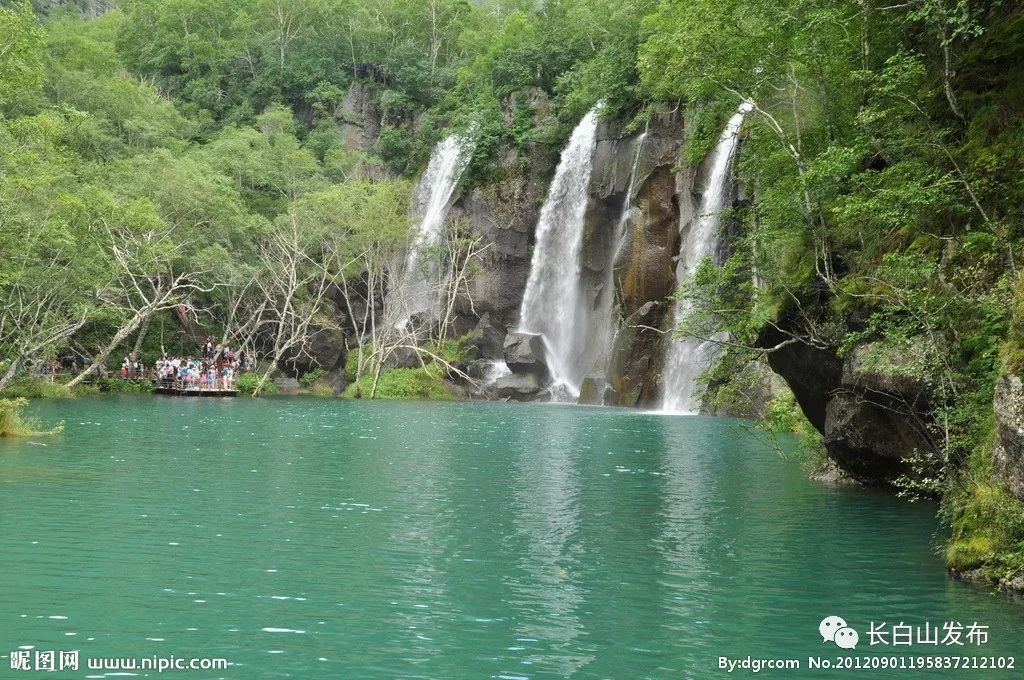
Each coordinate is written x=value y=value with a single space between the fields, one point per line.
x=545 y=586
x=447 y=540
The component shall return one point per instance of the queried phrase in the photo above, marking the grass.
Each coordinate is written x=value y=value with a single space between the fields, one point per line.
x=321 y=389
x=404 y=383
x=14 y=423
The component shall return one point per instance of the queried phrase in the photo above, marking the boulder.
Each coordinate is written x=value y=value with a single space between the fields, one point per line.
x=830 y=474
x=524 y=354
x=286 y=385
x=325 y=349
x=517 y=387
x=1009 y=444
x=870 y=437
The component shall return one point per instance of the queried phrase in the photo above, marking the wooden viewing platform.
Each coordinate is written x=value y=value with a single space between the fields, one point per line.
x=180 y=389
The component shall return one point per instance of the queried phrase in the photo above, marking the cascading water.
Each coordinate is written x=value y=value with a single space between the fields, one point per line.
x=686 y=359
x=553 y=303
x=605 y=327
x=418 y=290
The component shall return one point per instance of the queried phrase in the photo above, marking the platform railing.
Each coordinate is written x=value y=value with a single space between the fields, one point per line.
x=219 y=384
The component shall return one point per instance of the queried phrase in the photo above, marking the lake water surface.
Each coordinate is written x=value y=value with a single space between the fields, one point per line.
x=325 y=539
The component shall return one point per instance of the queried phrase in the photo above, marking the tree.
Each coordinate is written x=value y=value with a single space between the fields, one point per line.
x=20 y=60
x=151 y=272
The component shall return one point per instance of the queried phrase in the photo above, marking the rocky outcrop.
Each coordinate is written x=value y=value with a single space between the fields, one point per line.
x=90 y=9
x=325 y=349
x=358 y=118
x=873 y=417
x=1009 y=443
x=503 y=212
x=639 y=235
x=877 y=418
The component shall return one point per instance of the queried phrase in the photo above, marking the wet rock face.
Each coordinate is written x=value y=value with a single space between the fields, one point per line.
x=637 y=358
x=1009 y=445
x=504 y=213
x=645 y=270
x=643 y=263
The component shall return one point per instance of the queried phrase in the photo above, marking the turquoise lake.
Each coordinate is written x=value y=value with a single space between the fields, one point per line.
x=313 y=538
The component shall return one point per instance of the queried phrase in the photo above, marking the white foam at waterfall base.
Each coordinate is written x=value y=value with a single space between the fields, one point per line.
x=493 y=370
x=553 y=301
x=687 y=358
x=418 y=289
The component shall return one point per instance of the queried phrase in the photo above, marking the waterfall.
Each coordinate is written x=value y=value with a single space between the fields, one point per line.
x=605 y=327
x=418 y=289
x=686 y=359
x=553 y=304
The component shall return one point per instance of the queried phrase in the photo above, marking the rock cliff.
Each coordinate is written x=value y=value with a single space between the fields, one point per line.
x=873 y=419
x=1008 y=451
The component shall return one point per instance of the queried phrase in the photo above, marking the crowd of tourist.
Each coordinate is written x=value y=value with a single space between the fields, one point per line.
x=215 y=368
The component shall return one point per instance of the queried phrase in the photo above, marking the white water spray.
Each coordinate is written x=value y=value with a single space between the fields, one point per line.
x=686 y=359
x=553 y=304
x=418 y=288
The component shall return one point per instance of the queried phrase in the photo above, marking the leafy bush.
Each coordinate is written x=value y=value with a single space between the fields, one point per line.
x=351 y=364
x=246 y=384
x=783 y=414
x=394 y=147
x=404 y=383
x=121 y=385
x=13 y=422
x=34 y=388
x=453 y=351
x=311 y=377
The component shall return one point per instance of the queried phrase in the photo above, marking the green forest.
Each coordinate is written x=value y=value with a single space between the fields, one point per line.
x=171 y=168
